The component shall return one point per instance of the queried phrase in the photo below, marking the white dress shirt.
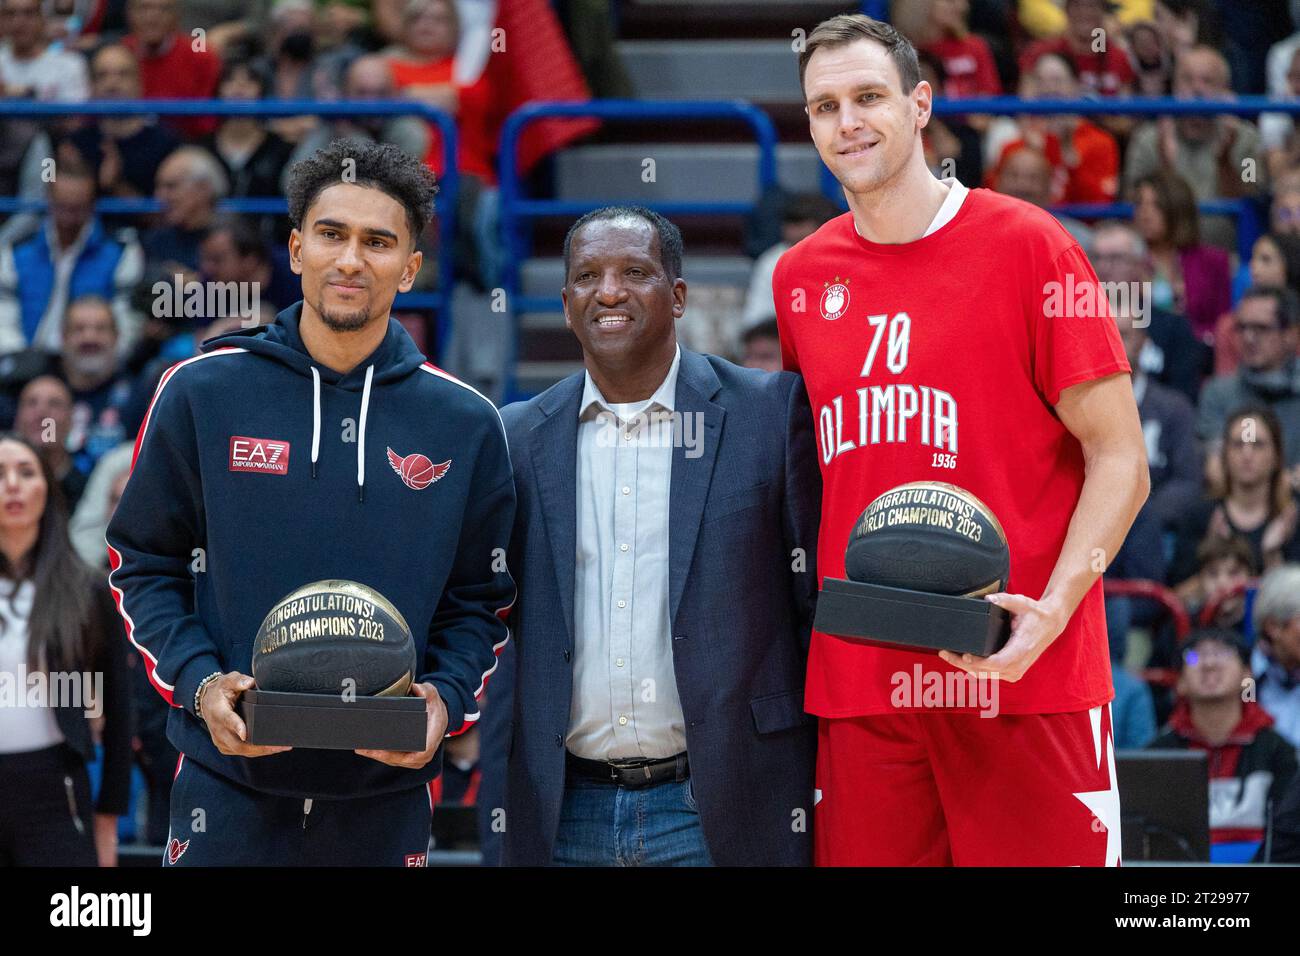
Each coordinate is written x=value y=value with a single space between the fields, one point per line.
x=625 y=703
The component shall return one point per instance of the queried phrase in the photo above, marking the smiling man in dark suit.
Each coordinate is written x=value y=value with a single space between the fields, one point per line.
x=664 y=550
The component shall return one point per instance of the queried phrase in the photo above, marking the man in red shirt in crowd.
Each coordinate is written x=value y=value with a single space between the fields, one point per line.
x=942 y=335
x=966 y=56
x=1084 y=157
x=173 y=65
x=1103 y=66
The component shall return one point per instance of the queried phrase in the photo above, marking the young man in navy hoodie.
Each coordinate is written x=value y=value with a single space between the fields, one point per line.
x=202 y=545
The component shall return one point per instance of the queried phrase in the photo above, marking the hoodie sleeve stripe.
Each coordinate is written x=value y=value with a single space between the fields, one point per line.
x=150 y=662
x=162 y=383
x=115 y=557
x=464 y=610
x=434 y=370
x=471 y=719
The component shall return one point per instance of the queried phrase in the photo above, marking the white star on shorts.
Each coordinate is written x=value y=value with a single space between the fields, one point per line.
x=1104 y=804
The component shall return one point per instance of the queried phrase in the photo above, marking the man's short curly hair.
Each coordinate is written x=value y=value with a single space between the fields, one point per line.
x=379 y=166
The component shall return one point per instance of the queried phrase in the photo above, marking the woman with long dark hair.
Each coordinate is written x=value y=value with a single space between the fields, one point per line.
x=1188 y=276
x=1253 y=499
x=63 y=652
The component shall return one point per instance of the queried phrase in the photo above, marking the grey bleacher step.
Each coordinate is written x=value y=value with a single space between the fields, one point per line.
x=724 y=172
x=765 y=71
x=541 y=320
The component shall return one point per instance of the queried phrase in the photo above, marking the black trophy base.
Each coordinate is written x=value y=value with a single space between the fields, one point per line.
x=918 y=620
x=328 y=722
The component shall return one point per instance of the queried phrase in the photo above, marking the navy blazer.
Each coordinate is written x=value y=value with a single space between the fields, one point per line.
x=742 y=591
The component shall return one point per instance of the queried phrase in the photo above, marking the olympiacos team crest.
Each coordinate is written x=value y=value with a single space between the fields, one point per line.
x=835 y=299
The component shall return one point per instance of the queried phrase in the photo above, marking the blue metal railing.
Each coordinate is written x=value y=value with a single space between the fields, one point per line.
x=1133 y=106
x=517 y=210
x=445 y=204
x=1243 y=211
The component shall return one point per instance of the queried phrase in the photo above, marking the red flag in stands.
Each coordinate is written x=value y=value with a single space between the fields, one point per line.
x=537 y=65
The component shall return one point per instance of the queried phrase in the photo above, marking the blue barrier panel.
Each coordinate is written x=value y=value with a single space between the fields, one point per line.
x=445 y=204
x=516 y=210
x=877 y=9
x=1132 y=106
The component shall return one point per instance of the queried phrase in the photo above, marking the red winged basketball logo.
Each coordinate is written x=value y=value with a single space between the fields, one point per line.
x=175 y=849
x=417 y=471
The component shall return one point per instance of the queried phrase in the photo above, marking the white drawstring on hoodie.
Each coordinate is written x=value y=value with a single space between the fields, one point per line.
x=361 y=428
x=361 y=436
x=315 y=418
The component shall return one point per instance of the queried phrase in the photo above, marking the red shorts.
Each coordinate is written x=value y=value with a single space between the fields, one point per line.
x=944 y=789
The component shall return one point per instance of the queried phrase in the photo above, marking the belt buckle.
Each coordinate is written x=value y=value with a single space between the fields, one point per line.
x=618 y=767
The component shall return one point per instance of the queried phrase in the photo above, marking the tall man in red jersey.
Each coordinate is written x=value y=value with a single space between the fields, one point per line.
x=958 y=335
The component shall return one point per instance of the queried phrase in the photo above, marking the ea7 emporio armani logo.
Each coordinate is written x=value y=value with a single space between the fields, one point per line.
x=417 y=471
x=835 y=299
x=266 y=456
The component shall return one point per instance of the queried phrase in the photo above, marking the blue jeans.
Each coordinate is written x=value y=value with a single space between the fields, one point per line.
x=606 y=825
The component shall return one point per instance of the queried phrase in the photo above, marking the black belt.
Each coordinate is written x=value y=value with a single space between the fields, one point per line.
x=633 y=774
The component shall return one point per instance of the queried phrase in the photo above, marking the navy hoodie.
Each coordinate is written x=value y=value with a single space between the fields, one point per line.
x=258 y=470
